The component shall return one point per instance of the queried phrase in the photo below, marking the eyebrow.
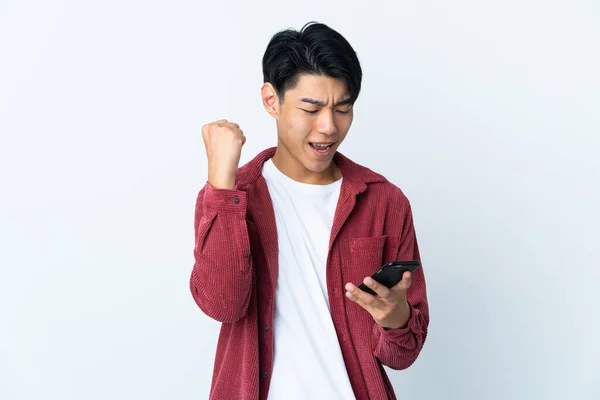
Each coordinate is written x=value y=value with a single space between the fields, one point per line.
x=342 y=102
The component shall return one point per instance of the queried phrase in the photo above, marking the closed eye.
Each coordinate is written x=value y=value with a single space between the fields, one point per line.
x=316 y=111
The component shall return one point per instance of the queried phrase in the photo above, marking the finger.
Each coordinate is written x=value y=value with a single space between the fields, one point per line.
x=240 y=135
x=363 y=298
x=358 y=301
x=233 y=125
x=404 y=284
x=354 y=298
x=235 y=128
x=381 y=290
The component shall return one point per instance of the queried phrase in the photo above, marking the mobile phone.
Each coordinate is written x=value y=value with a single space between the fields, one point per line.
x=390 y=274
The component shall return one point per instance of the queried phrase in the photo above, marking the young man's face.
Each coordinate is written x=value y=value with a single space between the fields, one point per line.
x=312 y=122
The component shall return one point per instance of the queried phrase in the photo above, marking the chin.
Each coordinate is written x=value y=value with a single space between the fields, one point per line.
x=317 y=166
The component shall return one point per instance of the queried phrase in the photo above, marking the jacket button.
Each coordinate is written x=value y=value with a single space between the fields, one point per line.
x=264 y=375
x=236 y=200
x=266 y=328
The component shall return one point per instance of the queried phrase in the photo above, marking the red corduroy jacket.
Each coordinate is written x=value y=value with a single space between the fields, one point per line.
x=235 y=275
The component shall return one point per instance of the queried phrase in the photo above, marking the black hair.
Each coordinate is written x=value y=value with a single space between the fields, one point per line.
x=316 y=49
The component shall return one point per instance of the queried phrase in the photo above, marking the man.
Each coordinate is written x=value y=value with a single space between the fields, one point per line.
x=282 y=242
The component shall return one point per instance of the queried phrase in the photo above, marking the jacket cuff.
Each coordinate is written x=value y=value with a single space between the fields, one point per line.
x=220 y=200
x=402 y=334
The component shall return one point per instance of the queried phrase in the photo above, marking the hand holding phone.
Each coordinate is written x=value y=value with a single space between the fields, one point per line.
x=390 y=274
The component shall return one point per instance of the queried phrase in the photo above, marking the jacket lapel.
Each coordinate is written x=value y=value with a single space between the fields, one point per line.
x=352 y=185
x=345 y=205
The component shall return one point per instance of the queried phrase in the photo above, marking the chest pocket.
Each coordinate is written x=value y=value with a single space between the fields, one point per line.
x=362 y=256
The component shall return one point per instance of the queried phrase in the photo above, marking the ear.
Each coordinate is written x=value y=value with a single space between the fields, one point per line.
x=270 y=99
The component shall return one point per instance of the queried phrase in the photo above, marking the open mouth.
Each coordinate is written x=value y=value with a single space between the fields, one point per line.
x=322 y=148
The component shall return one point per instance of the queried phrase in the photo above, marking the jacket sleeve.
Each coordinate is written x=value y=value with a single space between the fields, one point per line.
x=221 y=280
x=399 y=348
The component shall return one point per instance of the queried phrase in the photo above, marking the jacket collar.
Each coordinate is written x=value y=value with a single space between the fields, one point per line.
x=353 y=174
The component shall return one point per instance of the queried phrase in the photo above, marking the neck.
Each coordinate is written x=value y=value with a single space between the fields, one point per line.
x=293 y=168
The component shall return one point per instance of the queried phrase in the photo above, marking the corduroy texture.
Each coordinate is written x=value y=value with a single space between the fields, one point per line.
x=235 y=276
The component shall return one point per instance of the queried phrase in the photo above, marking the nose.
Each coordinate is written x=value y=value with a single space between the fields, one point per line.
x=326 y=123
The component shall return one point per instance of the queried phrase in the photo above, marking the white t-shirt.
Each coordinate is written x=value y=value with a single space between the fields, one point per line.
x=308 y=362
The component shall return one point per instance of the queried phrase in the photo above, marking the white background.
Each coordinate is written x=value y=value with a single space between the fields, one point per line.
x=487 y=115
